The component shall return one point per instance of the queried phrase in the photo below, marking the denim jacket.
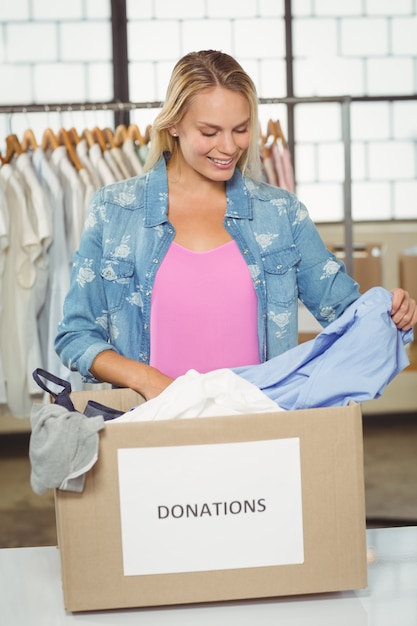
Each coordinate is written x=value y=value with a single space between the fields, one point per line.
x=127 y=234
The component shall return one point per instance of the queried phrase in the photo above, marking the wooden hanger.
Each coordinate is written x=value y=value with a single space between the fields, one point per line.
x=64 y=139
x=75 y=138
x=120 y=135
x=134 y=133
x=12 y=147
x=280 y=134
x=99 y=138
x=29 y=141
x=49 y=140
x=89 y=137
x=271 y=131
x=109 y=137
x=267 y=140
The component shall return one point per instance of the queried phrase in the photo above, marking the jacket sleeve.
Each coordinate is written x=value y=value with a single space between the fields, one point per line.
x=323 y=284
x=83 y=331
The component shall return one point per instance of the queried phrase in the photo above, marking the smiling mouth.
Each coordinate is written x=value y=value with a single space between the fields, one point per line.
x=224 y=162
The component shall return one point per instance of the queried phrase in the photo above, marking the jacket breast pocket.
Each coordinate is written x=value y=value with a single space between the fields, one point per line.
x=281 y=275
x=116 y=275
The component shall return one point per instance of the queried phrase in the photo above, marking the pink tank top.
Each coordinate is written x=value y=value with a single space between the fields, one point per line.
x=203 y=311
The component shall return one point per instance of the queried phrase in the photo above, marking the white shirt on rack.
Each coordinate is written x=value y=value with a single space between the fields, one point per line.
x=114 y=167
x=59 y=266
x=74 y=197
x=101 y=167
x=83 y=154
x=128 y=148
x=88 y=188
x=40 y=213
x=4 y=244
x=122 y=161
x=19 y=279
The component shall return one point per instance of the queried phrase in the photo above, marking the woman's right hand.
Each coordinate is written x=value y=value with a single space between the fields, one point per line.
x=111 y=367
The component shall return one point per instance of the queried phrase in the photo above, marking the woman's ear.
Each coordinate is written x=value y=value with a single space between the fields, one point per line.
x=173 y=131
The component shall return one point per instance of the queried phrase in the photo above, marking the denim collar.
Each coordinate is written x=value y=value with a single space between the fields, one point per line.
x=156 y=196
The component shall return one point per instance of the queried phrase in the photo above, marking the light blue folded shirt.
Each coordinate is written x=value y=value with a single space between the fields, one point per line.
x=354 y=358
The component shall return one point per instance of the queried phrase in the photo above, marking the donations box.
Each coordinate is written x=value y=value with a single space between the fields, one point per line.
x=215 y=509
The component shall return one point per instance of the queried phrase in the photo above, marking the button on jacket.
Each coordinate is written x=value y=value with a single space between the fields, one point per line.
x=127 y=234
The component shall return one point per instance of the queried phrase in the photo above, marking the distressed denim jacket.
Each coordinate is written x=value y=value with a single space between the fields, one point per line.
x=127 y=234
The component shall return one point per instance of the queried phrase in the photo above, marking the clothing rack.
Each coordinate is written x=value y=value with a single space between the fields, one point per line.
x=78 y=106
x=125 y=107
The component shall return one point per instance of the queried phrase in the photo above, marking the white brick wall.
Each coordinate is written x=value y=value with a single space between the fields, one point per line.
x=341 y=7
x=391 y=76
x=31 y=42
x=405 y=193
x=364 y=37
x=389 y=7
x=391 y=160
x=85 y=41
x=404 y=36
x=47 y=10
x=371 y=201
x=370 y=121
x=315 y=38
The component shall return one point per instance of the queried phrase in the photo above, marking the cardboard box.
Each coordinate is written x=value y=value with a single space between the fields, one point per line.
x=408 y=273
x=276 y=508
x=367 y=263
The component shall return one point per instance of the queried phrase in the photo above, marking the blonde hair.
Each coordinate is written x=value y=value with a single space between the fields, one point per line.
x=193 y=73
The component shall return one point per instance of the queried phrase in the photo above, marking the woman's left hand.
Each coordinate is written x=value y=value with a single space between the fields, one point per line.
x=404 y=309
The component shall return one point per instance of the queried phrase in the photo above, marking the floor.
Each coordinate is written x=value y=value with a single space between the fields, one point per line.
x=390 y=461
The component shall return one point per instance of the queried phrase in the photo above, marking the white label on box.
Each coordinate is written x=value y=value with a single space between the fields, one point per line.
x=211 y=507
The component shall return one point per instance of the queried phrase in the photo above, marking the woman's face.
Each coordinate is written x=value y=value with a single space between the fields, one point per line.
x=214 y=133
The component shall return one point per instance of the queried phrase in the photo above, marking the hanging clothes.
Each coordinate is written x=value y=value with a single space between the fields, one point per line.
x=276 y=157
x=45 y=190
x=83 y=154
x=59 y=264
x=40 y=214
x=4 y=244
x=19 y=308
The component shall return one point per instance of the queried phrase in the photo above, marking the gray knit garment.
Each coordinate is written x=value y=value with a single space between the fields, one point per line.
x=63 y=446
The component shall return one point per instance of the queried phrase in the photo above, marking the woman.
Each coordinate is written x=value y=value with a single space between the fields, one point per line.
x=198 y=264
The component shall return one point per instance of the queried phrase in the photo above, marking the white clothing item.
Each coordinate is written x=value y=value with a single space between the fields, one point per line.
x=40 y=213
x=4 y=244
x=129 y=150
x=216 y=393
x=39 y=205
x=74 y=217
x=59 y=266
x=88 y=187
x=115 y=169
x=123 y=162
x=100 y=166
x=19 y=280
x=83 y=155
x=74 y=194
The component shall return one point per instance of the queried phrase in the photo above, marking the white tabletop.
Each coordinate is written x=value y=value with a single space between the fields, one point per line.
x=31 y=594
